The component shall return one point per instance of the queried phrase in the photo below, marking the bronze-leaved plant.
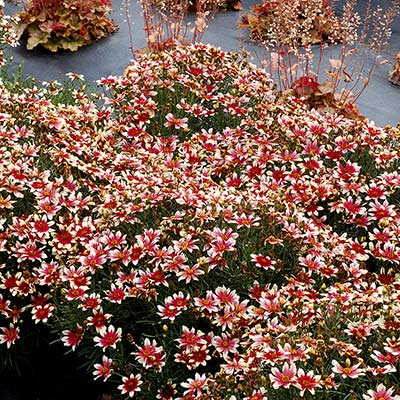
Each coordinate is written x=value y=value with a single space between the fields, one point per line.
x=64 y=24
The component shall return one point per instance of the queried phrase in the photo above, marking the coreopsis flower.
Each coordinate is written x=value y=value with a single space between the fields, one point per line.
x=75 y=293
x=150 y=355
x=359 y=330
x=42 y=228
x=109 y=337
x=167 y=392
x=225 y=344
x=98 y=319
x=63 y=239
x=104 y=369
x=116 y=294
x=9 y=335
x=131 y=385
x=262 y=261
x=196 y=385
x=285 y=377
x=393 y=346
x=186 y=243
x=385 y=358
x=193 y=357
x=191 y=338
x=225 y=296
x=382 y=211
x=294 y=353
x=174 y=305
x=386 y=369
x=93 y=261
x=307 y=381
x=381 y=393
x=29 y=251
x=207 y=304
x=90 y=302
x=176 y=123
x=41 y=313
x=351 y=371
x=257 y=394
x=72 y=338
x=226 y=319
x=188 y=274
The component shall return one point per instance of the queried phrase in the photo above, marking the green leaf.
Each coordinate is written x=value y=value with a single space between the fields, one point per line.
x=36 y=37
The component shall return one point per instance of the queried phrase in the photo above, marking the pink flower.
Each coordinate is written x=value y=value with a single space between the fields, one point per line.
x=108 y=337
x=104 y=369
x=284 y=378
x=150 y=356
x=264 y=262
x=258 y=394
x=42 y=312
x=225 y=344
x=208 y=303
x=191 y=338
x=177 y=123
x=130 y=385
x=9 y=335
x=116 y=295
x=348 y=372
x=195 y=386
x=98 y=319
x=72 y=338
x=189 y=274
x=307 y=381
x=381 y=393
x=385 y=358
x=225 y=296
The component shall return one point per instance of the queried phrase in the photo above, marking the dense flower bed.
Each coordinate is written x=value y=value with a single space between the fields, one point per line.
x=192 y=238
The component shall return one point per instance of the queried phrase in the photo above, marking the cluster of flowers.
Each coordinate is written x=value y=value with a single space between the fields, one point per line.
x=197 y=239
x=8 y=36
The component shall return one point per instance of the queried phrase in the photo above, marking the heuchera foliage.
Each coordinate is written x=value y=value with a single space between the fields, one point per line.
x=194 y=239
x=64 y=24
x=299 y=22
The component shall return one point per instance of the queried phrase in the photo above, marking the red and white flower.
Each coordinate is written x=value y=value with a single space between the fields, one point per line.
x=351 y=371
x=131 y=385
x=9 y=335
x=381 y=393
x=285 y=377
x=109 y=337
x=104 y=369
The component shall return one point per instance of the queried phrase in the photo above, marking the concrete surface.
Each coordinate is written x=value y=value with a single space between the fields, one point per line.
x=380 y=102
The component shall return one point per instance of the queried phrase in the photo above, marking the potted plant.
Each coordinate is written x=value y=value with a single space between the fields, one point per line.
x=64 y=24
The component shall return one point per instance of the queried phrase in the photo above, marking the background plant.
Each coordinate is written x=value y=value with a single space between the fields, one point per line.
x=318 y=51
x=167 y=23
x=64 y=24
x=394 y=74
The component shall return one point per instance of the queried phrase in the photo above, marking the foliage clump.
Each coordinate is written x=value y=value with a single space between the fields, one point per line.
x=64 y=24
x=307 y=22
x=394 y=74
